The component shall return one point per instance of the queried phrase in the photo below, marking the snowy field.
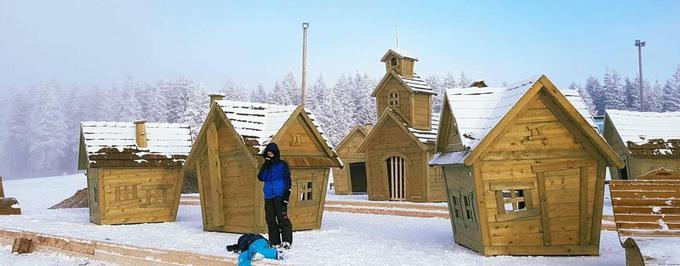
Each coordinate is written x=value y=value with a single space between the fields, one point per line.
x=43 y=258
x=344 y=239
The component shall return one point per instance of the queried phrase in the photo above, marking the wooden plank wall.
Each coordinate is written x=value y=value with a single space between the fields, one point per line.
x=539 y=149
x=348 y=154
x=137 y=195
x=395 y=141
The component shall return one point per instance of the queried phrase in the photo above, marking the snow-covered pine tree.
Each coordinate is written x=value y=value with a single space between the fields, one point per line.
x=653 y=97
x=463 y=81
x=279 y=95
x=449 y=81
x=47 y=131
x=158 y=102
x=632 y=94
x=438 y=99
x=365 y=104
x=110 y=104
x=323 y=108
x=586 y=97
x=314 y=94
x=259 y=95
x=344 y=109
x=177 y=99
x=613 y=91
x=595 y=90
x=290 y=86
x=4 y=94
x=18 y=131
x=233 y=92
x=197 y=109
x=129 y=106
x=670 y=100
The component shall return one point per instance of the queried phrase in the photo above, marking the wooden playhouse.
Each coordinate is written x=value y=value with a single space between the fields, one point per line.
x=133 y=170
x=226 y=158
x=401 y=142
x=351 y=179
x=646 y=141
x=524 y=169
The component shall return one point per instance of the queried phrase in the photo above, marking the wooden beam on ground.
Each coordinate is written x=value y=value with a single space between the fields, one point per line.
x=22 y=245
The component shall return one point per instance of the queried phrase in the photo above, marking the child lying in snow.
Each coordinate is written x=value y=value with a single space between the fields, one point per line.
x=255 y=247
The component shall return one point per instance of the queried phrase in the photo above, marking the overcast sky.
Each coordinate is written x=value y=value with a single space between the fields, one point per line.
x=102 y=42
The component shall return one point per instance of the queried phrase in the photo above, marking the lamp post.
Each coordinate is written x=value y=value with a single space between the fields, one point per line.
x=639 y=45
x=305 y=26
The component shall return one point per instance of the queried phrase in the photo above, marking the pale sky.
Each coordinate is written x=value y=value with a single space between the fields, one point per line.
x=251 y=42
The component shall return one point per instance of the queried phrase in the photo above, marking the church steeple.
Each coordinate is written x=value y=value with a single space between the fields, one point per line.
x=399 y=61
x=403 y=91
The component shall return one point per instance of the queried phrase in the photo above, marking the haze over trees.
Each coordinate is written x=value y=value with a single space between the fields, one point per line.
x=39 y=125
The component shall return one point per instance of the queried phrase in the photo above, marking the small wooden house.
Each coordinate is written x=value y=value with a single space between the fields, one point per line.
x=133 y=170
x=351 y=179
x=401 y=142
x=524 y=169
x=226 y=158
x=646 y=141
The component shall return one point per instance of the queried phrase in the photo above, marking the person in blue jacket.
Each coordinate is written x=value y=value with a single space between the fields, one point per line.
x=254 y=247
x=275 y=174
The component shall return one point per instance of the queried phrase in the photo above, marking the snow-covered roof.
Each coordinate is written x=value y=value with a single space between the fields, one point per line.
x=417 y=84
x=478 y=110
x=167 y=139
x=261 y=121
x=640 y=127
x=426 y=136
x=399 y=52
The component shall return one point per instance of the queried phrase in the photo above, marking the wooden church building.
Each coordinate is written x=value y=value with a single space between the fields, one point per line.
x=524 y=169
x=133 y=170
x=402 y=141
x=352 y=178
x=646 y=141
x=226 y=158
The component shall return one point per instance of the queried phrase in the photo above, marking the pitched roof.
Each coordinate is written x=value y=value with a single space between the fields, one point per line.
x=165 y=139
x=639 y=127
x=400 y=53
x=415 y=83
x=261 y=121
x=479 y=110
x=425 y=136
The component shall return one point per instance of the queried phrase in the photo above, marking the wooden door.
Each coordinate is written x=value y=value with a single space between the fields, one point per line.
x=357 y=173
x=566 y=198
x=396 y=171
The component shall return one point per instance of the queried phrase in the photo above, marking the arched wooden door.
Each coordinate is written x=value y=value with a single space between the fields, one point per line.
x=396 y=171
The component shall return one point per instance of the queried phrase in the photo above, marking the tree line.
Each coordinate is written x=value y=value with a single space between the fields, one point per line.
x=40 y=125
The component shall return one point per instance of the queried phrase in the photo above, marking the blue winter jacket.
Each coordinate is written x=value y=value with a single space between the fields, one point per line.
x=275 y=174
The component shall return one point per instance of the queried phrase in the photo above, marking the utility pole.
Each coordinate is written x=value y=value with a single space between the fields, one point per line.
x=639 y=45
x=305 y=26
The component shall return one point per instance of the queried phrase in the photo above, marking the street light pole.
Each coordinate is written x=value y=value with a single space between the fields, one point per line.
x=305 y=25
x=639 y=45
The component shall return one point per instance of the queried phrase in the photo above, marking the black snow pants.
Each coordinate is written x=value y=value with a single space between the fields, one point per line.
x=280 y=227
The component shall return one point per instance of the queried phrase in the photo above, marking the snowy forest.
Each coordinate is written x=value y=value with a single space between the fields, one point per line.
x=39 y=125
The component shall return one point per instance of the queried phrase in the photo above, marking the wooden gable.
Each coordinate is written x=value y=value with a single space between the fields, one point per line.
x=557 y=103
x=387 y=129
x=351 y=142
x=301 y=143
x=448 y=137
x=218 y=118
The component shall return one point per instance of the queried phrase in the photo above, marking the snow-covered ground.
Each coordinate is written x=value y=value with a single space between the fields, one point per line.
x=42 y=258
x=344 y=239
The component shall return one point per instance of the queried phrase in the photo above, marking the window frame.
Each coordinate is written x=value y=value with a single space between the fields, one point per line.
x=528 y=189
x=393 y=98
